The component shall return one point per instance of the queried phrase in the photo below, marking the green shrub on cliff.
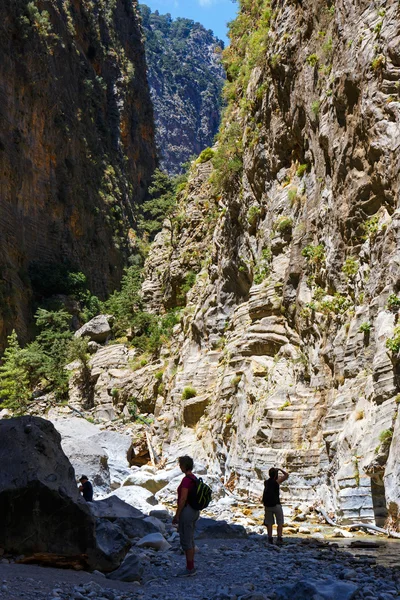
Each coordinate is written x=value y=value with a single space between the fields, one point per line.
x=14 y=384
x=188 y=392
x=248 y=48
x=350 y=267
x=206 y=155
x=393 y=302
x=148 y=331
x=228 y=159
x=160 y=202
x=314 y=254
x=393 y=343
x=53 y=344
x=312 y=60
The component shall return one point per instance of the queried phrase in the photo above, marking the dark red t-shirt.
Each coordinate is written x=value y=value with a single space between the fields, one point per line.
x=187 y=483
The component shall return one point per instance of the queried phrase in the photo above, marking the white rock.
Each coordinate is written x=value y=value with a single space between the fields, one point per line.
x=138 y=497
x=97 y=329
x=342 y=533
x=304 y=530
x=154 y=540
x=151 y=482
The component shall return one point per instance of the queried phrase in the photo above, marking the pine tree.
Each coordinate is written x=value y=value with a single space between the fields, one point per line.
x=14 y=383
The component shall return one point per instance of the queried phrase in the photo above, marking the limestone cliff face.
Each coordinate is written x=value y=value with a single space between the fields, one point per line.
x=76 y=142
x=284 y=333
x=185 y=77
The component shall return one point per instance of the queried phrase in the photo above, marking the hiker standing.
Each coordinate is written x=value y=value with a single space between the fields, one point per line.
x=272 y=502
x=186 y=516
x=86 y=488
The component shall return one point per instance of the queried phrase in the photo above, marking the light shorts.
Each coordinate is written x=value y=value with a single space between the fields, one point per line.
x=273 y=514
x=187 y=523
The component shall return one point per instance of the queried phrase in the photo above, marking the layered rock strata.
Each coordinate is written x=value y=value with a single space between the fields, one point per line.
x=76 y=143
x=283 y=341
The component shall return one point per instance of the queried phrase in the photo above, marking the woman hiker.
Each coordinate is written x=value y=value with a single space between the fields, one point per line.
x=186 y=516
x=272 y=502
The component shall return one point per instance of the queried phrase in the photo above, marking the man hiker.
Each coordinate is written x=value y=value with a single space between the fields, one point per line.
x=272 y=502
x=86 y=489
x=186 y=516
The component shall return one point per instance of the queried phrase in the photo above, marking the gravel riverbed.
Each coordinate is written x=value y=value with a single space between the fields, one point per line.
x=228 y=569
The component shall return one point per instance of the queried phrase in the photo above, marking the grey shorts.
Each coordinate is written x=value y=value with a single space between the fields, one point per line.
x=273 y=514
x=187 y=523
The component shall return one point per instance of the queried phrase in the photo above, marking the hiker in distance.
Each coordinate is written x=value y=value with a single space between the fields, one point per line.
x=186 y=516
x=86 y=488
x=272 y=502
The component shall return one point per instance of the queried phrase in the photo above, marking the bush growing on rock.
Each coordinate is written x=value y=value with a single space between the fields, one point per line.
x=253 y=215
x=315 y=106
x=301 y=170
x=386 y=436
x=314 y=254
x=205 y=155
x=393 y=302
x=284 y=225
x=292 y=195
x=393 y=343
x=312 y=60
x=350 y=267
x=188 y=392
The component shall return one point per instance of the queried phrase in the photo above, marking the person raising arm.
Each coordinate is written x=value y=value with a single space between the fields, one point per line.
x=272 y=503
x=283 y=477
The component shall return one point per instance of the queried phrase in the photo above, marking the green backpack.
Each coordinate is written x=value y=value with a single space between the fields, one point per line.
x=200 y=494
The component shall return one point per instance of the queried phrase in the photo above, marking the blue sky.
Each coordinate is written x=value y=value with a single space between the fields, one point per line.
x=213 y=14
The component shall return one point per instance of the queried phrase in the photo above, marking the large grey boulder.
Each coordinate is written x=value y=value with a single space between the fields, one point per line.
x=130 y=521
x=113 y=507
x=97 y=329
x=111 y=539
x=86 y=455
x=135 y=528
x=119 y=450
x=130 y=570
x=90 y=459
x=209 y=528
x=104 y=456
x=40 y=506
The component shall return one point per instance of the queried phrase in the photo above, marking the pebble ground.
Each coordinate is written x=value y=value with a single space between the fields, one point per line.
x=238 y=569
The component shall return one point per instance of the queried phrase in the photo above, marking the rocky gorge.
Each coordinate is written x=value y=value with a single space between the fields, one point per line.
x=280 y=267
x=286 y=352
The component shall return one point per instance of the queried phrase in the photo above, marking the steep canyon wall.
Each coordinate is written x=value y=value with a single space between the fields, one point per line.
x=76 y=143
x=283 y=340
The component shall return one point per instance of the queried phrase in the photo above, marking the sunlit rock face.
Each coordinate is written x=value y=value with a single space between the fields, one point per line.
x=76 y=144
x=185 y=75
x=283 y=339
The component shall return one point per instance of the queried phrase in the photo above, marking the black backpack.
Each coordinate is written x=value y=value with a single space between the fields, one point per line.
x=200 y=494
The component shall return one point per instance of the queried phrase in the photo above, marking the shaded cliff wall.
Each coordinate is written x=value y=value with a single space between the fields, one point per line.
x=284 y=335
x=186 y=77
x=76 y=142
